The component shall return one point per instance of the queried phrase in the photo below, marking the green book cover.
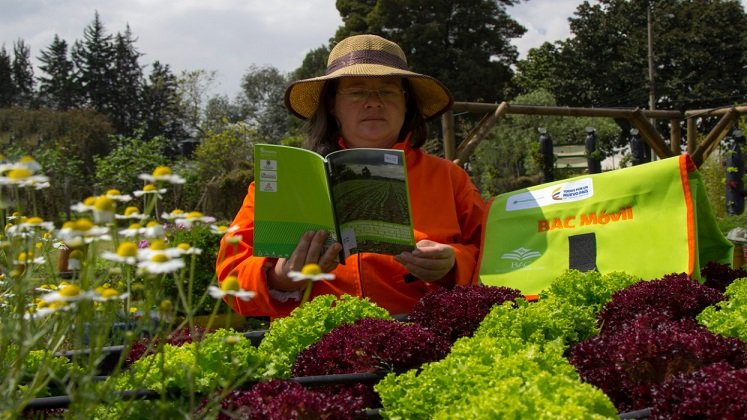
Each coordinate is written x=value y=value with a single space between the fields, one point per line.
x=359 y=195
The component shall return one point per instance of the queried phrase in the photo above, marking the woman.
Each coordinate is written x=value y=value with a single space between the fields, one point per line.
x=368 y=98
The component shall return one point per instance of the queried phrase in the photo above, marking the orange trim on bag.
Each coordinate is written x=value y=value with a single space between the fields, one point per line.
x=686 y=166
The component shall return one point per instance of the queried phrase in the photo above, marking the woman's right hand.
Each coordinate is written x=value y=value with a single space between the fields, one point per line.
x=308 y=251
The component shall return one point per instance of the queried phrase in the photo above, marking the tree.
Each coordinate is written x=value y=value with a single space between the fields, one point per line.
x=263 y=91
x=94 y=58
x=57 y=88
x=7 y=89
x=23 y=74
x=700 y=55
x=193 y=87
x=161 y=112
x=458 y=42
x=127 y=81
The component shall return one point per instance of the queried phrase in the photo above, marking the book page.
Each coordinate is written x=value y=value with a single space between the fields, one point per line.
x=371 y=200
x=291 y=197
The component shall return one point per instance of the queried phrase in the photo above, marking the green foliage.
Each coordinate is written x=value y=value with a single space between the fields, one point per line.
x=222 y=359
x=728 y=317
x=201 y=267
x=590 y=288
x=129 y=158
x=508 y=158
x=494 y=377
x=307 y=324
x=546 y=320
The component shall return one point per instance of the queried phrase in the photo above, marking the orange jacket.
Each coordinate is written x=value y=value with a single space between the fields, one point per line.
x=446 y=208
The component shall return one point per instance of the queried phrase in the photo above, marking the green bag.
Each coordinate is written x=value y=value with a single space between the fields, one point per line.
x=647 y=220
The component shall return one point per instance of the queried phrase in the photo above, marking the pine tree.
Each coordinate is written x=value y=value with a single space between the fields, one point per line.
x=23 y=74
x=57 y=89
x=162 y=113
x=7 y=89
x=127 y=85
x=93 y=58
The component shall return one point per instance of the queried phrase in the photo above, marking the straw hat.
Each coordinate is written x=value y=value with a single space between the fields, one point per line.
x=368 y=56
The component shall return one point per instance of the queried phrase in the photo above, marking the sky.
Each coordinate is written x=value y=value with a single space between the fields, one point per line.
x=225 y=36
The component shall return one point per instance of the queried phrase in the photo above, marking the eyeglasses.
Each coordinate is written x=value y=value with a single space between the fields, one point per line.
x=386 y=94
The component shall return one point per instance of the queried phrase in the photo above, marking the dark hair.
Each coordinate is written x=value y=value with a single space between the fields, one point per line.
x=322 y=130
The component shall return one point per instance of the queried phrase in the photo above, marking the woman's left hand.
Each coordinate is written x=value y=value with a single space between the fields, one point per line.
x=430 y=261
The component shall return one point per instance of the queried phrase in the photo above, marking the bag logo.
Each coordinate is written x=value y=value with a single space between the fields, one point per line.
x=520 y=254
x=566 y=192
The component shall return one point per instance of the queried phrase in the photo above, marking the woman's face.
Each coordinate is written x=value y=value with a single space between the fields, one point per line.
x=368 y=118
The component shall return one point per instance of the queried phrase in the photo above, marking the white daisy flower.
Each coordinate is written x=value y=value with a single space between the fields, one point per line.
x=186 y=249
x=23 y=178
x=160 y=263
x=116 y=195
x=192 y=218
x=223 y=229
x=106 y=294
x=131 y=212
x=84 y=206
x=134 y=230
x=311 y=272
x=82 y=231
x=150 y=189
x=126 y=253
x=103 y=209
x=154 y=230
x=174 y=214
x=67 y=293
x=29 y=226
x=26 y=259
x=230 y=287
x=162 y=174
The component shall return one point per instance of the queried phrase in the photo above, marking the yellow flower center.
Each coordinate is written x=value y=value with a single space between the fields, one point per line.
x=159 y=258
x=89 y=201
x=26 y=159
x=162 y=171
x=35 y=220
x=69 y=290
x=23 y=257
x=222 y=228
x=152 y=223
x=158 y=245
x=177 y=212
x=184 y=246
x=131 y=210
x=127 y=249
x=76 y=254
x=19 y=173
x=149 y=188
x=109 y=292
x=194 y=215
x=311 y=269
x=230 y=284
x=166 y=306
x=114 y=192
x=83 y=225
x=104 y=203
x=135 y=226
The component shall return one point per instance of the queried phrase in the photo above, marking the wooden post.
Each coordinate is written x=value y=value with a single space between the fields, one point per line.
x=712 y=139
x=447 y=125
x=692 y=135
x=649 y=134
x=675 y=138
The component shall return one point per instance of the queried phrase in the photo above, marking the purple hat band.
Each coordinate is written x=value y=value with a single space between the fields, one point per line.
x=366 y=57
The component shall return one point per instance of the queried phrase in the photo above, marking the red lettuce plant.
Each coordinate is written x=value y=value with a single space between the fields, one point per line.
x=675 y=295
x=718 y=391
x=719 y=276
x=457 y=312
x=288 y=400
x=149 y=345
x=368 y=345
x=653 y=348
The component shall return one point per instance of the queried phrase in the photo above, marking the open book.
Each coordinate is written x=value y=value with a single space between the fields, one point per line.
x=359 y=195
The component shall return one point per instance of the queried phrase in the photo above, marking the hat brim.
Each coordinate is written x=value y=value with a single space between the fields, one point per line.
x=432 y=96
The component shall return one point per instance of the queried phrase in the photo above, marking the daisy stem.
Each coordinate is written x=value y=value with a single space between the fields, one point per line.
x=307 y=292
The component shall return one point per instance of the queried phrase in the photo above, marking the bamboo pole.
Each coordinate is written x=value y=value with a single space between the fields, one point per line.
x=475 y=136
